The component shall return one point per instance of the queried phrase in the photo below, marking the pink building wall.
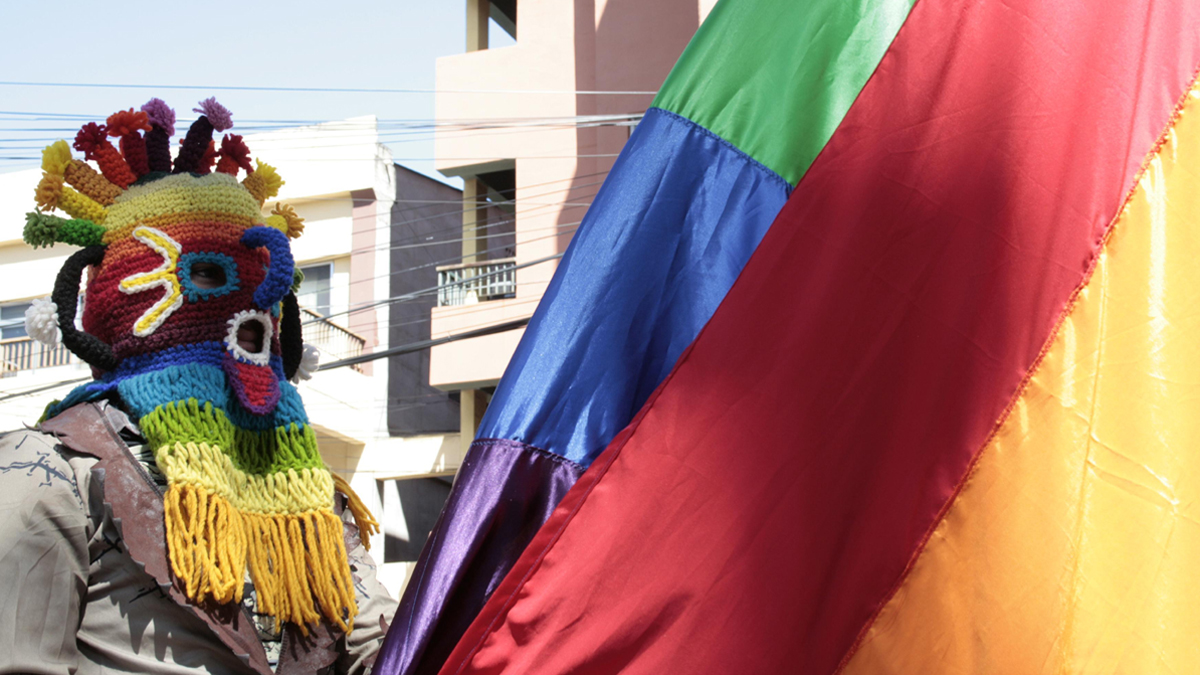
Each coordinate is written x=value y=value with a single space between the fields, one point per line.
x=362 y=271
x=562 y=47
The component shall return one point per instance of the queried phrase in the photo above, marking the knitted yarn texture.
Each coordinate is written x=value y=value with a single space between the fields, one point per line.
x=247 y=487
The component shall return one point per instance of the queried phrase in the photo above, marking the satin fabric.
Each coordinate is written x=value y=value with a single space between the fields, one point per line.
x=672 y=227
x=776 y=77
x=1073 y=545
x=504 y=491
x=763 y=504
x=663 y=241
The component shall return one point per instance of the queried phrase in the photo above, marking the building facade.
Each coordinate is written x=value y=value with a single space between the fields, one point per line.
x=548 y=117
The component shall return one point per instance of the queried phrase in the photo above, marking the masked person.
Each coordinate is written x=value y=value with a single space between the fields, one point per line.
x=175 y=514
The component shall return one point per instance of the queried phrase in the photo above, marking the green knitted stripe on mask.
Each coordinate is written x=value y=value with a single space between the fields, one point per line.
x=293 y=446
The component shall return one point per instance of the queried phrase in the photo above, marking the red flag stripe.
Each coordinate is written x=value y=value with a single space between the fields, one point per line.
x=760 y=508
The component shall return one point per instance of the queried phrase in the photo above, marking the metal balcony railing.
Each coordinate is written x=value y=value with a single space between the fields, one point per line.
x=336 y=343
x=467 y=283
x=25 y=353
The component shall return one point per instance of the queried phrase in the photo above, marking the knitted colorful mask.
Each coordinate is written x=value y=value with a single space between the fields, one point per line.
x=204 y=367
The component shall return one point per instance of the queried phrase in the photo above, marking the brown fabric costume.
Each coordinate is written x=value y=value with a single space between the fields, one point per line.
x=85 y=585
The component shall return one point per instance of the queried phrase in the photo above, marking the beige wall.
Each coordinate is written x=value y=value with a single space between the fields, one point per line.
x=562 y=46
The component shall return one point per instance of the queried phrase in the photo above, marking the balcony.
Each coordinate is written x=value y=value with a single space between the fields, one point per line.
x=468 y=283
x=336 y=343
x=25 y=353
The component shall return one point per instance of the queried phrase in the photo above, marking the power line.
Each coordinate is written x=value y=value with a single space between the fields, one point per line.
x=331 y=90
x=424 y=344
x=561 y=230
x=427 y=291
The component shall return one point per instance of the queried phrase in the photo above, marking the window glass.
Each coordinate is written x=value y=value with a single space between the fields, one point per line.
x=12 y=320
x=314 y=290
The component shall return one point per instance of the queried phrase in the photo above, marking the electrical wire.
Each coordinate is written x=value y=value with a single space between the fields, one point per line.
x=427 y=291
x=329 y=90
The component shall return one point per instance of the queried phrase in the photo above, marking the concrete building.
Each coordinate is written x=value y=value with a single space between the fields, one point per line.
x=542 y=142
x=369 y=224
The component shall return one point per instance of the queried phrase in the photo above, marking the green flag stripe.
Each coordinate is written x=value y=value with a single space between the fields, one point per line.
x=776 y=77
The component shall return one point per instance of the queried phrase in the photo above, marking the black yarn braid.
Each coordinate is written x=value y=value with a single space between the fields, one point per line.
x=66 y=296
x=195 y=144
x=291 y=336
x=158 y=149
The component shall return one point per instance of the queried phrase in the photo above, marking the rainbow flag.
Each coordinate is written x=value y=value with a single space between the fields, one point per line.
x=876 y=353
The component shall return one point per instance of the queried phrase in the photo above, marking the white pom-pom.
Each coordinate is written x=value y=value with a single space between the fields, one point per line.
x=308 y=363
x=41 y=322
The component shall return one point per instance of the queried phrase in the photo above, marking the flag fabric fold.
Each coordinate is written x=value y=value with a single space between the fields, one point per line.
x=683 y=209
x=769 y=506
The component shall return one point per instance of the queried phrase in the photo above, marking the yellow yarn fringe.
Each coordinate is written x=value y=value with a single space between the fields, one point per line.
x=49 y=191
x=55 y=157
x=367 y=525
x=293 y=224
x=297 y=561
x=264 y=182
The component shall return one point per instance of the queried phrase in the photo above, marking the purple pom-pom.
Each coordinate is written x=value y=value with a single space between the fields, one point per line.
x=217 y=114
x=161 y=114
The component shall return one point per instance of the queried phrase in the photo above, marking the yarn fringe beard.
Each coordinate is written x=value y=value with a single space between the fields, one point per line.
x=264 y=507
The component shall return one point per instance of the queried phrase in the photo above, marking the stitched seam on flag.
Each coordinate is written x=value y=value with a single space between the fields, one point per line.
x=593 y=474
x=541 y=452
x=1066 y=312
x=481 y=442
x=600 y=468
x=787 y=187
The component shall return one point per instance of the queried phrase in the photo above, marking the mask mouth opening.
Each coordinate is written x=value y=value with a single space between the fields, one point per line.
x=249 y=337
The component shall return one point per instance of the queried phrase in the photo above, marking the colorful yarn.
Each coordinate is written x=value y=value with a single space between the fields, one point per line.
x=41 y=322
x=208 y=160
x=49 y=191
x=163 y=277
x=85 y=179
x=128 y=125
x=234 y=155
x=66 y=297
x=160 y=115
x=158 y=150
x=291 y=336
x=55 y=157
x=217 y=114
x=193 y=292
x=158 y=139
x=92 y=141
x=81 y=206
x=367 y=525
x=45 y=230
x=279 y=275
x=41 y=230
x=294 y=224
x=247 y=488
x=194 y=146
x=54 y=162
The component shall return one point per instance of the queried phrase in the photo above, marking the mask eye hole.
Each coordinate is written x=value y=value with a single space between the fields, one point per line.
x=207 y=275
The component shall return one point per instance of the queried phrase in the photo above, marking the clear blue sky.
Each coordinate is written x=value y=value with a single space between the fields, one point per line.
x=344 y=44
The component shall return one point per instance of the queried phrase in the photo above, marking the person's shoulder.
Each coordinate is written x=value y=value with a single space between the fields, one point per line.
x=31 y=460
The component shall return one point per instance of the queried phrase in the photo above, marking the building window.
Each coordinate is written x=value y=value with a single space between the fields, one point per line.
x=12 y=320
x=314 y=290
